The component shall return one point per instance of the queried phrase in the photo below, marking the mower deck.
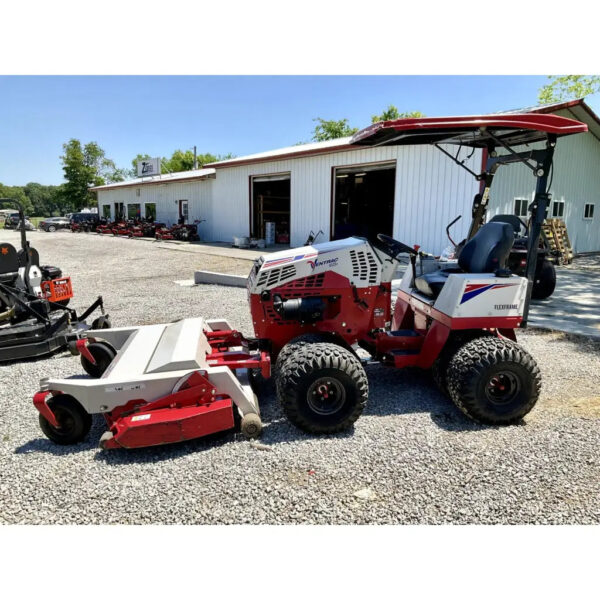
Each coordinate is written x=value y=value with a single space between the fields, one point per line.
x=167 y=383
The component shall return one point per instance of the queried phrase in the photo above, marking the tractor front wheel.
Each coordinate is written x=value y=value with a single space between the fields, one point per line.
x=322 y=387
x=493 y=381
x=74 y=423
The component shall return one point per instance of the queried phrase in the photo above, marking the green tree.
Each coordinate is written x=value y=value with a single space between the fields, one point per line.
x=180 y=160
x=15 y=192
x=45 y=199
x=84 y=167
x=330 y=130
x=568 y=87
x=391 y=113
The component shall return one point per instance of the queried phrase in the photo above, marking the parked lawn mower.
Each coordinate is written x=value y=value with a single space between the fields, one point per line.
x=544 y=280
x=185 y=233
x=313 y=306
x=34 y=318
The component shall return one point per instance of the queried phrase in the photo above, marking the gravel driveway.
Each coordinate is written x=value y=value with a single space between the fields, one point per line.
x=412 y=457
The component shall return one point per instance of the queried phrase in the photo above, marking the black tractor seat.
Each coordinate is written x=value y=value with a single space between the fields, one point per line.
x=485 y=252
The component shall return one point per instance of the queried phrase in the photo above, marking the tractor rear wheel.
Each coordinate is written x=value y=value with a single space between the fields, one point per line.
x=544 y=281
x=439 y=369
x=74 y=422
x=322 y=388
x=103 y=355
x=494 y=381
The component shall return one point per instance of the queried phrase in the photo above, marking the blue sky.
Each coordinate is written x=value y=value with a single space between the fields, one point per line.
x=128 y=115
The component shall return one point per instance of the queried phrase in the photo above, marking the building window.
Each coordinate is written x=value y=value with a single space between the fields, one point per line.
x=521 y=207
x=133 y=211
x=150 y=211
x=558 y=209
x=106 y=211
x=588 y=212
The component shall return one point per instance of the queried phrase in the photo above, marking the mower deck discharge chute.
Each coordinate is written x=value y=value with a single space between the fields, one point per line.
x=156 y=384
x=34 y=318
x=313 y=306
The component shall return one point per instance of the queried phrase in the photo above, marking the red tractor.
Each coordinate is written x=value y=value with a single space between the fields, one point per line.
x=313 y=307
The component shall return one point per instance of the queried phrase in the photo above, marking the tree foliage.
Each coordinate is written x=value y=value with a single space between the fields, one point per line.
x=568 y=87
x=391 y=113
x=15 y=192
x=180 y=160
x=330 y=130
x=86 y=166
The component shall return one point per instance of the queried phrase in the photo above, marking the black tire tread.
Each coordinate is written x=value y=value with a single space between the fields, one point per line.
x=294 y=345
x=68 y=403
x=544 y=281
x=311 y=357
x=439 y=369
x=474 y=357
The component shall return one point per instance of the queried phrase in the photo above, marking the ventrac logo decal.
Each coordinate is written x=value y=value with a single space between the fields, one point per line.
x=474 y=289
x=328 y=263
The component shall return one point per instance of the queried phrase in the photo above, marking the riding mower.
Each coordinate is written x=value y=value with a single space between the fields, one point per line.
x=34 y=318
x=313 y=307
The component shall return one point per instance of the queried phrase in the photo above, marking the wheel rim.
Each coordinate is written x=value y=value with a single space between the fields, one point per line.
x=51 y=228
x=502 y=387
x=326 y=396
x=65 y=420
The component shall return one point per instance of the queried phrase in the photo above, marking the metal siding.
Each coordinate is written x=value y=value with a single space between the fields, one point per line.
x=424 y=203
x=576 y=181
x=165 y=196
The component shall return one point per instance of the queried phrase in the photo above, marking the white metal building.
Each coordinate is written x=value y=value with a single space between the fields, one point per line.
x=409 y=192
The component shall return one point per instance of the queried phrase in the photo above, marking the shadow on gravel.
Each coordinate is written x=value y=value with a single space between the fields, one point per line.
x=391 y=392
x=407 y=391
x=44 y=445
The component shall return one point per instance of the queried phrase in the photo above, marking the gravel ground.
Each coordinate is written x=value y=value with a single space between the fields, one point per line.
x=411 y=458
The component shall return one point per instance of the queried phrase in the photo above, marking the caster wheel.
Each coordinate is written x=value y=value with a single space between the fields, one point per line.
x=74 y=422
x=103 y=355
x=251 y=425
x=101 y=323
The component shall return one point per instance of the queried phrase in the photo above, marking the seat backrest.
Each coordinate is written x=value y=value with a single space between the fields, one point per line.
x=9 y=260
x=512 y=220
x=488 y=249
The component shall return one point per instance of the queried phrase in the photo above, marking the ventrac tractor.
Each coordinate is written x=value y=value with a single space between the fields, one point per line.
x=314 y=307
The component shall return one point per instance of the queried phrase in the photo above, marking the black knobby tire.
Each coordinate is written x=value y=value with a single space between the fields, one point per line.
x=74 y=422
x=544 y=281
x=494 y=381
x=322 y=388
x=439 y=369
x=103 y=355
x=294 y=345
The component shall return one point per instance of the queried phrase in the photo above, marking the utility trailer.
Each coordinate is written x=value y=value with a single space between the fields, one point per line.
x=312 y=307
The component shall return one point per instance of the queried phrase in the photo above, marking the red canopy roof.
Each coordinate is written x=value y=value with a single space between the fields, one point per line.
x=512 y=129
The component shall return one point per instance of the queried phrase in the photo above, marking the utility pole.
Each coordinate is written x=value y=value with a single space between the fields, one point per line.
x=195 y=159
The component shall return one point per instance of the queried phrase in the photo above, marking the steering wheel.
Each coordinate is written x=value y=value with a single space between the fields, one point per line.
x=393 y=247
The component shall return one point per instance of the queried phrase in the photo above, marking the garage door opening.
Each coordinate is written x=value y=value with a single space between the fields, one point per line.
x=271 y=202
x=364 y=201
